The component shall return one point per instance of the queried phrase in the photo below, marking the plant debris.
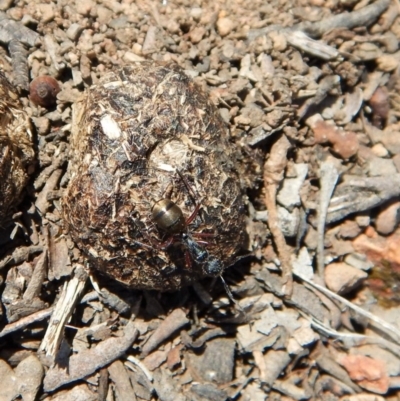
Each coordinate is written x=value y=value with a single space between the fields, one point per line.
x=291 y=194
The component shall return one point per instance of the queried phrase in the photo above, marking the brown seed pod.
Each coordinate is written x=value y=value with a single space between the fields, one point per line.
x=144 y=133
x=16 y=151
x=43 y=91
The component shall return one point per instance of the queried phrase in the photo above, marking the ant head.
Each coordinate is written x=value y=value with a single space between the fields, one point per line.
x=214 y=267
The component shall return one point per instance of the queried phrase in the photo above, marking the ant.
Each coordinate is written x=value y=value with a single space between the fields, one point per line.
x=168 y=217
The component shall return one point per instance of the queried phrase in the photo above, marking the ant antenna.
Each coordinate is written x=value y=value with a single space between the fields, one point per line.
x=230 y=295
x=190 y=189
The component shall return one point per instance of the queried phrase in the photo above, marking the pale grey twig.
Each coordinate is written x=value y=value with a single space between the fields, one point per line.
x=328 y=179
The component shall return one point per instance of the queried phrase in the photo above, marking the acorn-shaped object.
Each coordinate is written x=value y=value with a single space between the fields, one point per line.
x=154 y=199
x=43 y=91
x=16 y=150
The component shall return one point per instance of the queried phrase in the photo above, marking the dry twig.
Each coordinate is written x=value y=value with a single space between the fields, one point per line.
x=173 y=322
x=274 y=169
x=328 y=179
x=63 y=310
x=363 y=17
x=86 y=362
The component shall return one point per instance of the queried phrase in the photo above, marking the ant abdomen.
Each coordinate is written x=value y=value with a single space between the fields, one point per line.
x=168 y=216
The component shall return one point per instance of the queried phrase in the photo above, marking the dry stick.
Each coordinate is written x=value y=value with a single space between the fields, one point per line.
x=39 y=316
x=19 y=55
x=363 y=17
x=274 y=169
x=328 y=179
x=382 y=325
x=26 y=321
x=85 y=363
x=16 y=35
x=171 y=324
x=63 y=311
x=353 y=339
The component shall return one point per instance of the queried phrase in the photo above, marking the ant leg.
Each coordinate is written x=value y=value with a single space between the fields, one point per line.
x=188 y=186
x=192 y=195
x=193 y=215
x=188 y=260
x=154 y=242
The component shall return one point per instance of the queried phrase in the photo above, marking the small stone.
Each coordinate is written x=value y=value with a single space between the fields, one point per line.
x=76 y=77
x=381 y=167
x=42 y=125
x=349 y=229
x=367 y=51
x=74 y=31
x=224 y=26
x=84 y=7
x=47 y=11
x=343 y=278
x=5 y=4
x=358 y=261
x=391 y=139
x=305 y=336
x=119 y=23
x=363 y=220
x=379 y=150
x=293 y=347
x=196 y=13
x=388 y=219
x=289 y=195
x=197 y=34
x=173 y=26
x=216 y=363
x=131 y=57
x=396 y=161
x=29 y=375
x=250 y=115
x=137 y=49
x=388 y=62
x=279 y=41
x=9 y=383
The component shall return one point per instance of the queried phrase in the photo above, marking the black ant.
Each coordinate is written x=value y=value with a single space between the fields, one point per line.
x=168 y=217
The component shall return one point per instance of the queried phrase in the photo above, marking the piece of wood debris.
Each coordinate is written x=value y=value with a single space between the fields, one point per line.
x=274 y=168
x=87 y=362
x=123 y=386
x=170 y=325
x=65 y=306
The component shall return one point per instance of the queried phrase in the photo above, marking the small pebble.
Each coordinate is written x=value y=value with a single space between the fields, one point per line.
x=396 y=161
x=104 y=14
x=388 y=219
x=343 y=278
x=379 y=150
x=197 y=34
x=47 y=11
x=387 y=62
x=358 y=261
x=42 y=125
x=378 y=167
x=74 y=31
x=363 y=220
x=196 y=13
x=289 y=195
x=84 y=7
x=349 y=229
x=224 y=26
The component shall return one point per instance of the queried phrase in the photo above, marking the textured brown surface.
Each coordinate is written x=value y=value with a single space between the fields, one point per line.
x=131 y=132
x=16 y=152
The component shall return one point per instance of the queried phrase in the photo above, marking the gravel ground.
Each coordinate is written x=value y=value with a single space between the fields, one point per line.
x=308 y=91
